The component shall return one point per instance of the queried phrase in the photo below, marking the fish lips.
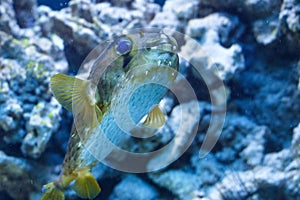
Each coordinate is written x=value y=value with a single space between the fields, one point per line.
x=168 y=59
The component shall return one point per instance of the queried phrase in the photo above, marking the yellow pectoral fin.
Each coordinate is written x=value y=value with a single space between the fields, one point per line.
x=66 y=88
x=52 y=192
x=76 y=96
x=155 y=118
x=86 y=186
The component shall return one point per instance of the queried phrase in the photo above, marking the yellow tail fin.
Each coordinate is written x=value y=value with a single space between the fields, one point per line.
x=53 y=192
x=86 y=185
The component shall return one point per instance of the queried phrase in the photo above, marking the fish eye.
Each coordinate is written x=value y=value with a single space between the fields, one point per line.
x=123 y=46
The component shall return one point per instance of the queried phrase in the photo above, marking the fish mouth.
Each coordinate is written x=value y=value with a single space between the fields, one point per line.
x=167 y=59
x=162 y=50
x=168 y=48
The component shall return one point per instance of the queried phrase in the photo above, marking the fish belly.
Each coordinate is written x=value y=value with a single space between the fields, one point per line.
x=125 y=114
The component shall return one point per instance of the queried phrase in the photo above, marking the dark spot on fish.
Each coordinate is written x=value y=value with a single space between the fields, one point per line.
x=127 y=59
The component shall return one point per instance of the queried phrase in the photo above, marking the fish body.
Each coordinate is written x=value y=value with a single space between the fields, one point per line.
x=117 y=89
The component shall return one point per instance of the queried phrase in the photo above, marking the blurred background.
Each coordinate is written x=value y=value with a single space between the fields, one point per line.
x=55 y=5
x=255 y=46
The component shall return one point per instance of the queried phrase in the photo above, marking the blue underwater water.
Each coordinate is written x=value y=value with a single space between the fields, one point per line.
x=55 y=5
x=236 y=97
x=59 y=4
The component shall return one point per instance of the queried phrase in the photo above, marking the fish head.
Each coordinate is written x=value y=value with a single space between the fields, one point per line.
x=151 y=53
x=155 y=48
x=138 y=56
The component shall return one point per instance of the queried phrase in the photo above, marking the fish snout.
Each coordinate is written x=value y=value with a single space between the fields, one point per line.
x=167 y=58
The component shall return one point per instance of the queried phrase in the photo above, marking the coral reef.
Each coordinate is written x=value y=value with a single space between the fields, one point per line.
x=252 y=45
x=216 y=44
x=43 y=121
x=180 y=183
x=25 y=12
x=19 y=172
x=8 y=22
x=132 y=187
x=290 y=25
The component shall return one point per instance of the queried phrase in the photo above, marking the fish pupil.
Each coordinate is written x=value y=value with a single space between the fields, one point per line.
x=124 y=46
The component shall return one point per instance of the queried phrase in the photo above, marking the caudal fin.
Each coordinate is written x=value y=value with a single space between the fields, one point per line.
x=52 y=192
x=86 y=185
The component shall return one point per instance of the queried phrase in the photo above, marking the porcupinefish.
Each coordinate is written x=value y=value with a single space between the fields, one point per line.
x=121 y=75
